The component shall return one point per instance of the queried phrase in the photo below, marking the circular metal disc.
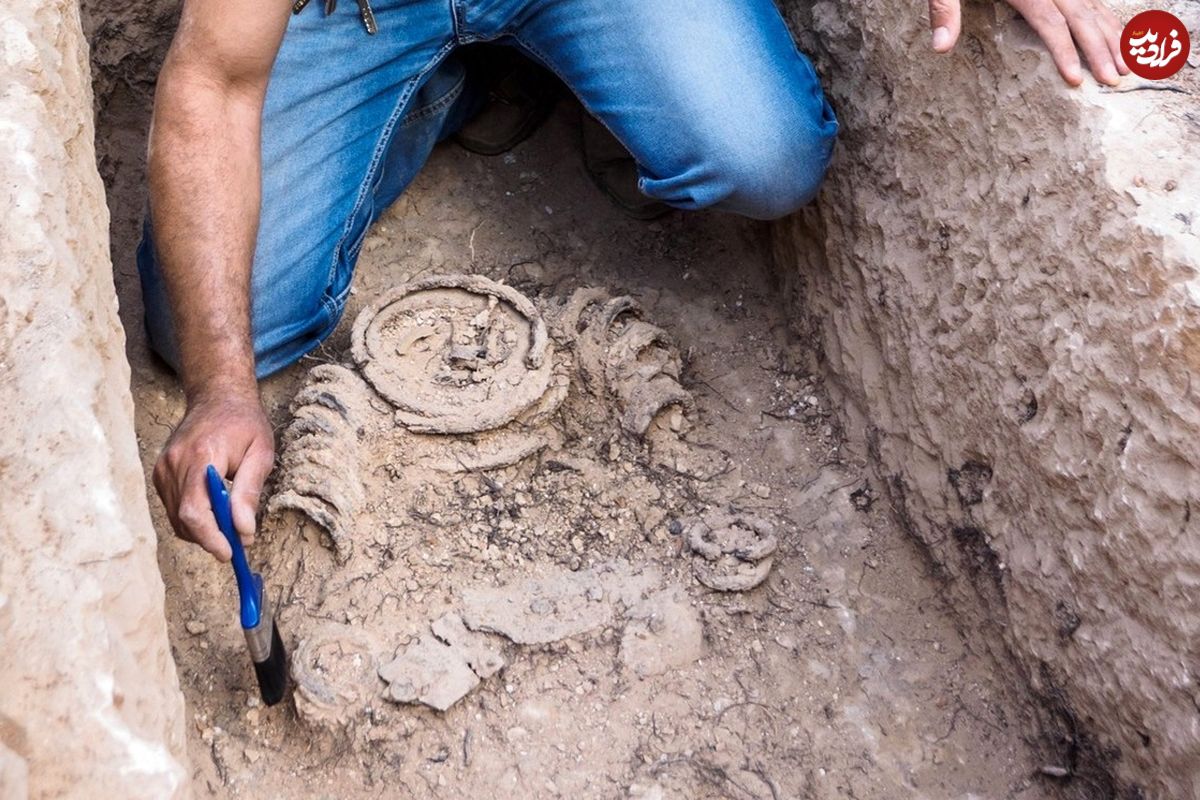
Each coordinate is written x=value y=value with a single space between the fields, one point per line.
x=454 y=353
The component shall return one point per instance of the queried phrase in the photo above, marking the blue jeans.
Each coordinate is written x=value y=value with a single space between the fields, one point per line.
x=710 y=96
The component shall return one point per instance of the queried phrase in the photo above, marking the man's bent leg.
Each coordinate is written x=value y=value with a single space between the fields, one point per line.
x=711 y=96
x=348 y=121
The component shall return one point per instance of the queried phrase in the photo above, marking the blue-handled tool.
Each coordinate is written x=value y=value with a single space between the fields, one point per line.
x=262 y=635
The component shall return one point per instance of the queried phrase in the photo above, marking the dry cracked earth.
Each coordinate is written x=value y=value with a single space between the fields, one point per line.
x=559 y=513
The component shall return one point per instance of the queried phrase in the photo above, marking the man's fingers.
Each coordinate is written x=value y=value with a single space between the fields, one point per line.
x=1086 y=25
x=247 y=487
x=1114 y=47
x=1112 y=33
x=945 y=18
x=1051 y=26
x=195 y=515
x=233 y=437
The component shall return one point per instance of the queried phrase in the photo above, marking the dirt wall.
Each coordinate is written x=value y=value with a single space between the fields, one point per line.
x=1003 y=274
x=128 y=40
x=90 y=703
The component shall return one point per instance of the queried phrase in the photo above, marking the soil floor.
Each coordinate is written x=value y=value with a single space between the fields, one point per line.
x=842 y=675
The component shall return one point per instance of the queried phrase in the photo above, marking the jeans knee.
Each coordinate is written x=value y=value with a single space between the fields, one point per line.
x=765 y=170
x=780 y=169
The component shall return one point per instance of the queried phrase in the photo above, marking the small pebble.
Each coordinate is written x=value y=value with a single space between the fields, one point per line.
x=195 y=627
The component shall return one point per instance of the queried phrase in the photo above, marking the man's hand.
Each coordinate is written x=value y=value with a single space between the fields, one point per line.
x=234 y=436
x=1062 y=24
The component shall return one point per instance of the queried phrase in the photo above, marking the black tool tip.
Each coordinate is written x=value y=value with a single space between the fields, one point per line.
x=272 y=673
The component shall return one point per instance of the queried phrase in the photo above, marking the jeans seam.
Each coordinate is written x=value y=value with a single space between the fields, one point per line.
x=460 y=23
x=364 y=188
x=437 y=105
x=548 y=64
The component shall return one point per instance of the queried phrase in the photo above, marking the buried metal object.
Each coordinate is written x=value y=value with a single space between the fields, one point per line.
x=734 y=551
x=454 y=353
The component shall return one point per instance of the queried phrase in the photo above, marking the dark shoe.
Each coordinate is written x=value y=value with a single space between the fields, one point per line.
x=615 y=171
x=521 y=95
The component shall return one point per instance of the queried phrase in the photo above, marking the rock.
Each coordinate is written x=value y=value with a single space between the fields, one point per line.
x=428 y=672
x=558 y=603
x=441 y=669
x=646 y=790
x=483 y=659
x=91 y=699
x=14 y=773
x=195 y=627
x=1009 y=297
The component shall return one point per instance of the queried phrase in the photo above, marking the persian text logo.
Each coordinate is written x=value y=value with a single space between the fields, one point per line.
x=1155 y=45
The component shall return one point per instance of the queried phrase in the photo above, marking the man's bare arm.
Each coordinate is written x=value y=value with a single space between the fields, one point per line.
x=204 y=197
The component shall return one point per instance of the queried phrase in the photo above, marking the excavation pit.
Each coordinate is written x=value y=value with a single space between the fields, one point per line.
x=943 y=345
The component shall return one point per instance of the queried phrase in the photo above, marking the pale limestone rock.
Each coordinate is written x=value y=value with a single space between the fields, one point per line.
x=557 y=603
x=429 y=672
x=481 y=655
x=1003 y=273
x=90 y=704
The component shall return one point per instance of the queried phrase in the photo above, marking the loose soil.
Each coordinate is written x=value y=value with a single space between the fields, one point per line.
x=547 y=596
